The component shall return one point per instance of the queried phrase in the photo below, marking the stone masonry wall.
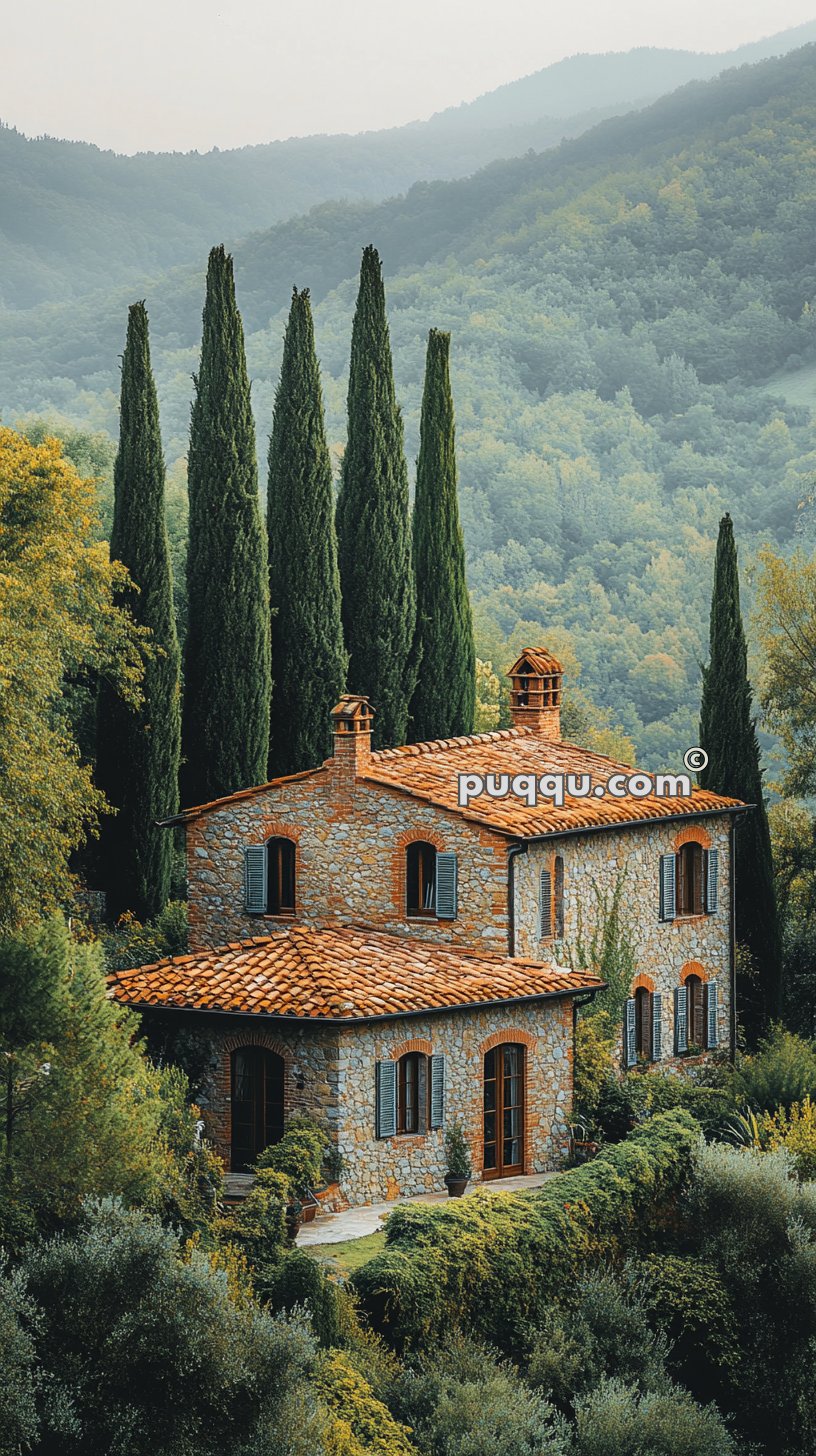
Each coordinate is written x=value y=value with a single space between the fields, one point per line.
x=351 y=840
x=330 y=1072
x=379 y=1169
x=666 y=951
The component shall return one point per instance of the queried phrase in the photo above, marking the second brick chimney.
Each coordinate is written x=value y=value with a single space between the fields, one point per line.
x=535 y=692
x=352 y=721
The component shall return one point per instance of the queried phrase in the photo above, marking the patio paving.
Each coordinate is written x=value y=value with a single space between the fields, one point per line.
x=355 y=1223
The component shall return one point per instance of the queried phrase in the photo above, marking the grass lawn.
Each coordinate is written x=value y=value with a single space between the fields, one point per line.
x=347 y=1257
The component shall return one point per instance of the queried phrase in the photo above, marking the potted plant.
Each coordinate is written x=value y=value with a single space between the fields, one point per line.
x=459 y=1166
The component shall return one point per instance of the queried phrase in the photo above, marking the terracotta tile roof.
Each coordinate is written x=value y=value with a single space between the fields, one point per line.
x=430 y=771
x=340 y=974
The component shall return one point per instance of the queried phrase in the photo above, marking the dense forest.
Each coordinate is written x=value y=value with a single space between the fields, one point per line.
x=617 y=307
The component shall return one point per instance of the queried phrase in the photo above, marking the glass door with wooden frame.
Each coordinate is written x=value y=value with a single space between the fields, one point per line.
x=504 y=1111
x=257 y=1104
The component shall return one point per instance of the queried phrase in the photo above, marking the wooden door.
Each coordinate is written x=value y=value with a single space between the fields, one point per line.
x=257 y=1104
x=504 y=1111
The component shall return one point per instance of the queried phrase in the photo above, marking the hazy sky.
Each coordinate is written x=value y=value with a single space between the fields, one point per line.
x=182 y=74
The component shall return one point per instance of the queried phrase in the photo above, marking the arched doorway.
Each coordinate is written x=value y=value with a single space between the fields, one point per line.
x=504 y=1111
x=257 y=1103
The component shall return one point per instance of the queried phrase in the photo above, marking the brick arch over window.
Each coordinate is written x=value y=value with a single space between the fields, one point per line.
x=692 y=834
x=416 y=1044
x=642 y=983
x=511 y=1034
x=270 y=828
x=260 y=1038
x=693 y=968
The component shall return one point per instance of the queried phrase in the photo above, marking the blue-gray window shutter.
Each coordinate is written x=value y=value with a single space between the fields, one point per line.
x=668 y=863
x=680 y=1019
x=545 y=904
x=712 y=880
x=386 y=1099
x=657 y=1026
x=630 y=1034
x=255 y=879
x=437 y=1090
x=446 y=885
x=712 y=991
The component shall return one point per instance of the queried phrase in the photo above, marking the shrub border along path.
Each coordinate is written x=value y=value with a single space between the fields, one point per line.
x=492 y=1264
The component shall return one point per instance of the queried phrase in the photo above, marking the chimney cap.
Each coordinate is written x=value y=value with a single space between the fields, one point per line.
x=352 y=707
x=535 y=662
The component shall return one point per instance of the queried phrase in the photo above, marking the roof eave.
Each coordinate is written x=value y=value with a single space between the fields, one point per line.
x=341 y=1021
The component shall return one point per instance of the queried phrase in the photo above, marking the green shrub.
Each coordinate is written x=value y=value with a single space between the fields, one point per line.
x=456 y=1152
x=143 y=1351
x=793 y=1128
x=461 y=1399
x=297 y=1281
x=492 y=1262
x=595 y=1039
x=132 y=944
x=604 y=1330
x=258 y=1224
x=617 y=1420
x=620 y=1104
x=687 y=1298
x=361 y=1425
x=19 y=1378
x=781 y=1071
x=299 y=1154
x=749 y=1218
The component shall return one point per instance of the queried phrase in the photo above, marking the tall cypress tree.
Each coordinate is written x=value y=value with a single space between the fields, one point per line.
x=304 y=584
x=225 y=726
x=444 y=700
x=728 y=734
x=373 y=522
x=138 y=748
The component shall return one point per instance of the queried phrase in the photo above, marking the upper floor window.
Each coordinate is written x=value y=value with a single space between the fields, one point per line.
x=412 y=1093
x=689 y=879
x=421 y=878
x=280 y=876
x=643 y=1023
x=695 y=1011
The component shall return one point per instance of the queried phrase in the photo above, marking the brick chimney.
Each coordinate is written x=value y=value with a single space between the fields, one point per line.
x=351 y=726
x=535 y=692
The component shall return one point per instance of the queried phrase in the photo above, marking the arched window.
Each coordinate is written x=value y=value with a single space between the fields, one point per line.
x=695 y=1011
x=420 y=878
x=558 y=896
x=257 y=1104
x=280 y=871
x=689 y=871
x=412 y=1093
x=643 y=1022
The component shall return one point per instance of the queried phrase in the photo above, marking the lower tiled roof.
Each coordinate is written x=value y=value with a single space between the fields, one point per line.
x=341 y=973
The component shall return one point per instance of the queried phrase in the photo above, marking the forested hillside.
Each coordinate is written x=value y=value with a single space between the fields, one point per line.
x=71 y=213
x=616 y=306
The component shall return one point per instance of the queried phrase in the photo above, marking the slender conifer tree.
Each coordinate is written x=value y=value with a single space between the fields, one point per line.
x=225 y=728
x=373 y=523
x=138 y=748
x=728 y=735
x=444 y=699
x=304 y=584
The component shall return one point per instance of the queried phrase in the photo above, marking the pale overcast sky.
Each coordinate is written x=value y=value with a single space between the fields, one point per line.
x=184 y=74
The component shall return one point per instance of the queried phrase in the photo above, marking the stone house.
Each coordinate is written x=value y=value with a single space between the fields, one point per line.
x=384 y=940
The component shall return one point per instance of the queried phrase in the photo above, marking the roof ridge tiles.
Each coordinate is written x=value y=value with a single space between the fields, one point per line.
x=439 y=745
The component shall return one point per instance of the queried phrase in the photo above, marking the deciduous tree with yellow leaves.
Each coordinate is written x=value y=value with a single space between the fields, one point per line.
x=59 y=622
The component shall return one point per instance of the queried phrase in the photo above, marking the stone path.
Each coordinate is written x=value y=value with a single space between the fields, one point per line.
x=355 y=1223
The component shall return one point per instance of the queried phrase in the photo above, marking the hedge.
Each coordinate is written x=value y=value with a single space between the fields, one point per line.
x=491 y=1263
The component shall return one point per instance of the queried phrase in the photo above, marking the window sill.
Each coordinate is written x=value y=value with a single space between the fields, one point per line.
x=282 y=915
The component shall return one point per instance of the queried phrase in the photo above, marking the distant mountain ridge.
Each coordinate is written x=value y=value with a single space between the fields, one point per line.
x=71 y=214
